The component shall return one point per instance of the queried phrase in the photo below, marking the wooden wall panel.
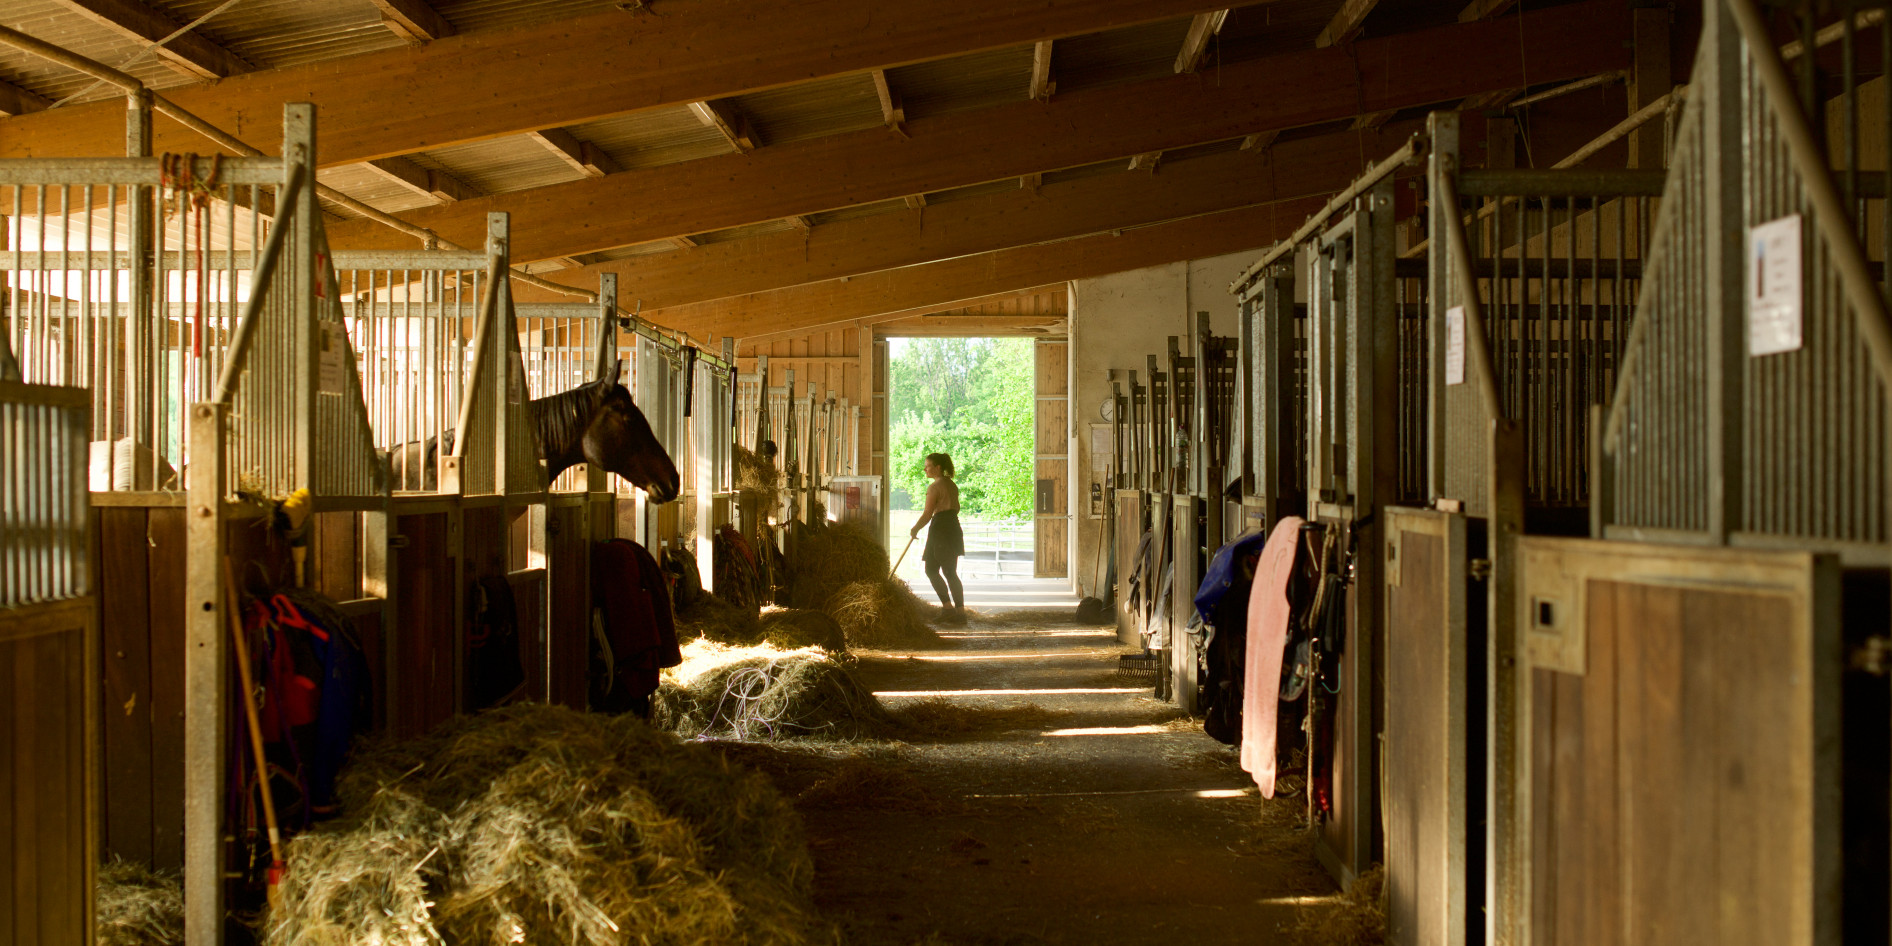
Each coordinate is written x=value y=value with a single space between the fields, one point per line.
x=424 y=625
x=167 y=546
x=569 y=624
x=1051 y=530
x=125 y=695
x=42 y=789
x=335 y=555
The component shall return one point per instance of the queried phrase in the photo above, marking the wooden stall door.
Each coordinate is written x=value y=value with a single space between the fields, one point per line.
x=1683 y=744
x=45 y=832
x=1426 y=779
x=1051 y=553
x=1129 y=542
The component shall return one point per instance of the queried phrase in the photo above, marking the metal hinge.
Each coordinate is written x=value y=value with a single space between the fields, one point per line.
x=1479 y=569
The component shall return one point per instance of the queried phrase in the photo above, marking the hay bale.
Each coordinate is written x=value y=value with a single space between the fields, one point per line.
x=1357 y=919
x=881 y=612
x=757 y=478
x=535 y=823
x=765 y=693
x=824 y=560
x=791 y=628
x=712 y=618
x=137 y=907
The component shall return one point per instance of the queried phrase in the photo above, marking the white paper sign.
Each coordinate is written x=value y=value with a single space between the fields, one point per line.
x=1773 y=287
x=332 y=368
x=1455 y=345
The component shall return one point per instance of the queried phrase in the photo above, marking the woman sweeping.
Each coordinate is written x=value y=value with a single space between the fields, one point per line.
x=945 y=542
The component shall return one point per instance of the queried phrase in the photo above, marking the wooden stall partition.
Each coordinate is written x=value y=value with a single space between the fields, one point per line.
x=568 y=578
x=1129 y=532
x=427 y=569
x=48 y=685
x=1186 y=541
x=1683 y=740
x=1434 y=733
x=1052 y=519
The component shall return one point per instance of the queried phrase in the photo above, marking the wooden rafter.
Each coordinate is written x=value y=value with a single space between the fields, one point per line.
x=443 y=188
x=915 y=201
x=1041 y=85
x=1484 y=10
x=1493 y=99
x=732 y=125
x=1196 y=42
x=884 y=296
x=583 y=156
x=1286 y=91
x=1371 y=121
x=801 y=222
x=683 y=242
x=1260 y=141
x=1346 y=23
x=1061 y=211
x=1032 y=182
x=190 y=54
x=413 y=20
x=579 y=69
x=1146 y=161
x=17 y=101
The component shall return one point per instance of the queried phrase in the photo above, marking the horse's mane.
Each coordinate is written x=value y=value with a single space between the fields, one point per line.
x=561 y=419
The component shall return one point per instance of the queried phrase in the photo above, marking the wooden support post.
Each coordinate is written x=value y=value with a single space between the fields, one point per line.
x=206 y=672
x=305 y=282
x=1649 y=80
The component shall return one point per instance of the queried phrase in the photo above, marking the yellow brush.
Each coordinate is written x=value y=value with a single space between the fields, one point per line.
x=296 y=510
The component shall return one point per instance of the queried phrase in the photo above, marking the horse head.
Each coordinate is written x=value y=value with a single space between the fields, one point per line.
x=619 y=440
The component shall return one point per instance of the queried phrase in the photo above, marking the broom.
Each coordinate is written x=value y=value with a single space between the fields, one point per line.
x=256 y=738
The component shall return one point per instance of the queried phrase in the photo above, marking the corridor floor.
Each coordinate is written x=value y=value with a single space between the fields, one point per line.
x=1088 y=813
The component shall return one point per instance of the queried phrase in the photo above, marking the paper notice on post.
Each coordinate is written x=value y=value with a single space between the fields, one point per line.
x=1774 y=301
x=1455 y=345
x=332 y=365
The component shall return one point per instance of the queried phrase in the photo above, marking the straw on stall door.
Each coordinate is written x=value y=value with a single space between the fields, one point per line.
x=903 y=556
x=256 y=738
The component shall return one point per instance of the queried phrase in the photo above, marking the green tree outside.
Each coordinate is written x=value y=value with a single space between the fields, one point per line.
x=972 y=398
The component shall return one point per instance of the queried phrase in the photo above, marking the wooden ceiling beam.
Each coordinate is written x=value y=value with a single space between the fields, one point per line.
x=413 y=20
x=17 y=101
x=902 y=293
x=915 y=201
x=1059 y=211
x=857 y=168
x=1260 y=141
x=1146 y=161
x=582 y=69
x=952 y=325
x=443 y=188
x=1041 y=88
x=1196 y=41
x=191 y=54
x=1373 y=120
x=583 y=156
x=732 y=125
x=1346 y=23
x=1484 y=10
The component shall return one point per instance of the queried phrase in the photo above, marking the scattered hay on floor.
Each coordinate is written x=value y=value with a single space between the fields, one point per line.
x=138 y=907
x=792 y=627
x=870 y=783
x=937 y=718
x=536 y=823
x=881 y=612
x=712 y=618
x=1356 y=918
x=764 y=692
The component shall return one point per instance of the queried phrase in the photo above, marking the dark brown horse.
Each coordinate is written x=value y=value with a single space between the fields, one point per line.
x=594 y=423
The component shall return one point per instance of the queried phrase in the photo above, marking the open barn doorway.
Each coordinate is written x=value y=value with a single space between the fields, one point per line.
x=972 y=399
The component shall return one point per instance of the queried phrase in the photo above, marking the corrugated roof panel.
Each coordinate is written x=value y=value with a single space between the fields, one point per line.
x=1274 y=28
x=499 y=166
x=372 y=188
x=487 y=15
x=58 y=25
x=732 y=234
x=654 y=137
x=994 y=77
x=856 y=213
x=811 y=109
x=271 y=34
x=1131 y=54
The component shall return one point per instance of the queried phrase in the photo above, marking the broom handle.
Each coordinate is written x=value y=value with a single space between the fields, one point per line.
x=903 y=556
x=249 y=710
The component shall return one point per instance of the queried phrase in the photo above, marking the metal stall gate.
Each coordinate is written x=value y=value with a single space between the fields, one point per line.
x=1530 y=309
x=49 y=712
x=1752 y=411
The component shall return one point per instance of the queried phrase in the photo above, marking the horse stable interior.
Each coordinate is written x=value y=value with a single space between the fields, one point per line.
x=1469 y=418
